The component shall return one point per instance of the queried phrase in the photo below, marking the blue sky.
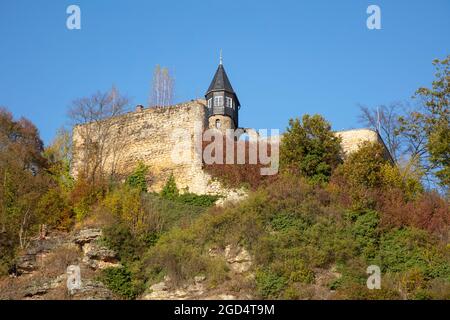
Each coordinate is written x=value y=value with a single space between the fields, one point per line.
x=284 y=58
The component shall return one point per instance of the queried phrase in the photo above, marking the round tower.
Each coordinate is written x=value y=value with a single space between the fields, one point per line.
x=222 y=102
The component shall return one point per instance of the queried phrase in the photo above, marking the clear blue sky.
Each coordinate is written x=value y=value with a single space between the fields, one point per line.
x=284 y=58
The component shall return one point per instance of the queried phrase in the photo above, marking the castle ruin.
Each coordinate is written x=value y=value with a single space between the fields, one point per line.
x=146 y=135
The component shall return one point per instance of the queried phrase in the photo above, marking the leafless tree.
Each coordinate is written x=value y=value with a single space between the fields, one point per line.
x=406 y=144
x=384 y=120
x=94 y=119
x=162 y=88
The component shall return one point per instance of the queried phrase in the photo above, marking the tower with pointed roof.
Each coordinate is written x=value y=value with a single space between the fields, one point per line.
x=222 y=102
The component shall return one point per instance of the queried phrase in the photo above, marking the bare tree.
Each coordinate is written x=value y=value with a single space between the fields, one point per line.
x=162 y=88
x=384 y=120
x=406 y=143
x=94 y=119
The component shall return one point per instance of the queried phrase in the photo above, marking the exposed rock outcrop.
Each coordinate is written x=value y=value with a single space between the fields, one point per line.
x=239 y=262
x=41 y=269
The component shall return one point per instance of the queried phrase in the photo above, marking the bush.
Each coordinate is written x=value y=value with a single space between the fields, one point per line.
x=118 y=280
x=84 y=196
x=364 y=166
x=170 y=189
x=7 y=252
x=55 y=210
x=177 y=256
x=364 y=228
x=197 y=200
x=310 y=148
x=408 y=248
x=119 y=238
x=138 y=179
x=428 y=212
x=269 y=284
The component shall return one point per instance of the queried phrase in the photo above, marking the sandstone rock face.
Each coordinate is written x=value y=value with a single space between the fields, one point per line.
x=238 y=260
x=98 y=257
x=86 y=236
x=196 y=290
x=95 y=255
x=92 y=290
x=38 y=248
x=42 y=274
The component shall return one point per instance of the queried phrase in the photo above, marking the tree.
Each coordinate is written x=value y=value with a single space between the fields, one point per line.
x=311 y=148
x=94 y=118
x=162 y=88
x=429 y=127
x=59 y=156
x=22 y=177
x=384 y=120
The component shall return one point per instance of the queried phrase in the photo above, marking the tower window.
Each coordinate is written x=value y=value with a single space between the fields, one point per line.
x=218 y=124
x=218 y=101
x=209 y=102
x=229 y=102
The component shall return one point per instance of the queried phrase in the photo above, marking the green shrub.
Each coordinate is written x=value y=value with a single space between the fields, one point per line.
x=364 y=228
x=118 y=280
x=311 y=148
x=120 y=239
x=269 y=284
x=406 y=249
x=170 y=189
x=169 y=212
x=138 y=179
x=181 y=258
x=197 y=200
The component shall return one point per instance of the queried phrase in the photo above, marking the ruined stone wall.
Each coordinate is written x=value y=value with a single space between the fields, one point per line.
x=148 y=136
x=352 y=139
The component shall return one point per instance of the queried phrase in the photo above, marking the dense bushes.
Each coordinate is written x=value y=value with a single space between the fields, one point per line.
x=293 y=229
x=310 y=148
x=170 y=191
x=118 y=279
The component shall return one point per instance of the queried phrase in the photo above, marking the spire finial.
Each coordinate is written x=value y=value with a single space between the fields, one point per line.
x=221 y=58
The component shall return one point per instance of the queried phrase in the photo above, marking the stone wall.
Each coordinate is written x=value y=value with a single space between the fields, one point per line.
x=149 y=135
x=352 y=139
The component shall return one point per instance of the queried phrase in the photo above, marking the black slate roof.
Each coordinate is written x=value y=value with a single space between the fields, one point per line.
x=220 y=81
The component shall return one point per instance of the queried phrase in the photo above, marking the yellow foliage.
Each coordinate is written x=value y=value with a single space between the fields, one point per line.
x=125 y=203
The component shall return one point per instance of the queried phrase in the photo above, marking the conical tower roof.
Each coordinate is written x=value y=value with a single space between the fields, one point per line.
x=220 y=82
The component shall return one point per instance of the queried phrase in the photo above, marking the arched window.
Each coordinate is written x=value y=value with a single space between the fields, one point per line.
x=218 y=124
